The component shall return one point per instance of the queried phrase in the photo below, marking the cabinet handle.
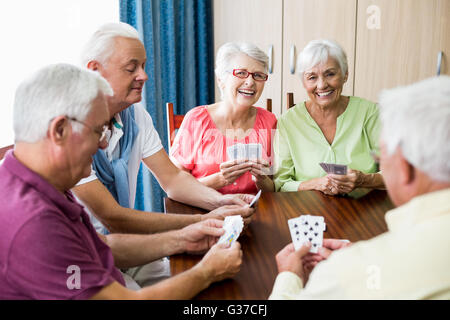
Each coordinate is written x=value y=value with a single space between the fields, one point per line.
x=292 y=59
x=270 y=54
x=439 y=62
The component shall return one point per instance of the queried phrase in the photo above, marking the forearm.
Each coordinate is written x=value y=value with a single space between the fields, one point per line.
x=265 y=184
x=182 y=286
x=130 y=250
x=215 y=181
x=185 y=188
x=123 y=220
x=371 y=180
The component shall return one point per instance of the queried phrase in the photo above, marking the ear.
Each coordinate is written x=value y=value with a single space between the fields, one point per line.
x=93 y=65
x=58 y=131
x=346 y=77
x=407 y=171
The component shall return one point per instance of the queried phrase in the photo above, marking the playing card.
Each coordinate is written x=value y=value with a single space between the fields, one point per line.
x=233 y=226
x=334 y=168
x=255 y=199
x=254 y=151
x=307 y=228
x=232 y=152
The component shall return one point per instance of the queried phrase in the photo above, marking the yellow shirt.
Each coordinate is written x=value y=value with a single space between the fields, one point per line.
x=410 y=261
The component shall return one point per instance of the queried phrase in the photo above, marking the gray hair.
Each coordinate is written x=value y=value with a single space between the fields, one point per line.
x=230 y=49
x=55 y=90
x=318 y=51
x=416 y=118
x=101 y=45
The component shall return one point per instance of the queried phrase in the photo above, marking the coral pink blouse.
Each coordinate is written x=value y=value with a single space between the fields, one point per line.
x=200 y=146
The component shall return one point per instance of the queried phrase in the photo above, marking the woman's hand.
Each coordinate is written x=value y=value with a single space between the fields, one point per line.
x=347 y=183
x=261 y=171
x=231 y=170
x=322 y=184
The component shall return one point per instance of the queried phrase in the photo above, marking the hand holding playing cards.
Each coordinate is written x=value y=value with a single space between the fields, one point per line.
x=346 y=183
x=328 y=247
x=231 y=170
x=221 y=261
x=288 y=259
x=321 y=184
x=261 y=170
x=199 y=237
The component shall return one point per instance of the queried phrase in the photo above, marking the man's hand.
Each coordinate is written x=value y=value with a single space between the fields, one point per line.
x=229 y=210
x=222 y=262
x=239 y=199
x=290 y=260
x=199 y=237
x=328 y=247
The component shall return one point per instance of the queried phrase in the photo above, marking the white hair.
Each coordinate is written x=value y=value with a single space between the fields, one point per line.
x=229 y=50
x=101 y=45
x=55 y=90
x=317 y=52
x=416 y=118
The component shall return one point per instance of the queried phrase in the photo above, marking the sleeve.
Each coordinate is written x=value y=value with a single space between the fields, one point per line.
x=284 y=166
x=287 y=286
x=183 y=148
x=373 y=128
x=54 y=253
x=151 y=141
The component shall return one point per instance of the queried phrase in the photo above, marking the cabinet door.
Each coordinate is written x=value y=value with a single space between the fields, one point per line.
x=258 y=22
x=404 y=48
x=306 y=20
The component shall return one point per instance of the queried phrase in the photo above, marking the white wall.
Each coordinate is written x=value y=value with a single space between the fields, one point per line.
x=34 y=33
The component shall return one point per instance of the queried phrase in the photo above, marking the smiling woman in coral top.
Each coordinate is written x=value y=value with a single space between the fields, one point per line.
x=200 y=146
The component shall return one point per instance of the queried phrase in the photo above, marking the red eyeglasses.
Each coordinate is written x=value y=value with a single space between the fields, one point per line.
x=243 y=74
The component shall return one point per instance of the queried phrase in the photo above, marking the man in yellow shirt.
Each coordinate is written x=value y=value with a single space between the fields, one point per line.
x=412 y=259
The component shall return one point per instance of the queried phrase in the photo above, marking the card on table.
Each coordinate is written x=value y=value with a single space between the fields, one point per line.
x=307 y=228
x=233 y=226
x=334 y=168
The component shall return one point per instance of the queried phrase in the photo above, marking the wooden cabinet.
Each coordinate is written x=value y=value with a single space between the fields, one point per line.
x=388 y=42
x=404 y=49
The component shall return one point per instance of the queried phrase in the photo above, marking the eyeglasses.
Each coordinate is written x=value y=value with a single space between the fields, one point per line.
x=243 y=74
x=102 y=133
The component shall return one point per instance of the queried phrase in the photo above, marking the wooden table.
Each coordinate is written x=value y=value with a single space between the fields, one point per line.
x=354 y=218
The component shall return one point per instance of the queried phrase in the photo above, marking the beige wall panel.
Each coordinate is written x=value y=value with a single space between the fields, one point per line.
x=405 y=47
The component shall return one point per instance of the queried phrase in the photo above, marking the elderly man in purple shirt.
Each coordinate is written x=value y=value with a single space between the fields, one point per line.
x=48 y=248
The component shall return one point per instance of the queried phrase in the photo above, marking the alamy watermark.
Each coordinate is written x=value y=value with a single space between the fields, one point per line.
x=74 y=280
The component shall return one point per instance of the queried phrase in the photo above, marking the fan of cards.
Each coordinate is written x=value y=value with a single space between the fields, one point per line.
x=334 y=168
x=245 y=151
x=307 y=228
x=233 y=226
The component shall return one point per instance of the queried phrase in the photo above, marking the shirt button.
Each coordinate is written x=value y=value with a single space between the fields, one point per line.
x=235 y=183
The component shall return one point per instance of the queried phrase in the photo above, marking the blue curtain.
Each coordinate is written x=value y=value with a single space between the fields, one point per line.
x=178 y=38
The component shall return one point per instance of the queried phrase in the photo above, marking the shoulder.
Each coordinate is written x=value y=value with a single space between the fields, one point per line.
x=267 y=118
x=363 y=105
x=292 y=115
x=195 y=113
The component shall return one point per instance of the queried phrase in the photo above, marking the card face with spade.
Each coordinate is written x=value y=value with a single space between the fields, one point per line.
x=307 y=228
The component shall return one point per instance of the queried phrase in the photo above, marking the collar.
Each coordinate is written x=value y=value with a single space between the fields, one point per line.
x=419 y=209
x=66 y=202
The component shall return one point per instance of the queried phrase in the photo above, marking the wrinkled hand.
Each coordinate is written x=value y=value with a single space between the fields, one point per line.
x=222 y=262
x=328 y=247
x=240 y=199
x=324 y=184
x=346 y=183
x=200 y=236
x=231 y=170
x=229 y=210
x=262 y=173
x=290 y=260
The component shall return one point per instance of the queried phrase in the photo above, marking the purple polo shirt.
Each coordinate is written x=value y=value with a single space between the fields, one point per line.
x=48 y=247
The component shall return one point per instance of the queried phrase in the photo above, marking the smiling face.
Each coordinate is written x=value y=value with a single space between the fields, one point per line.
x=238 y=91
x=324 y=83
x=125 y=72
